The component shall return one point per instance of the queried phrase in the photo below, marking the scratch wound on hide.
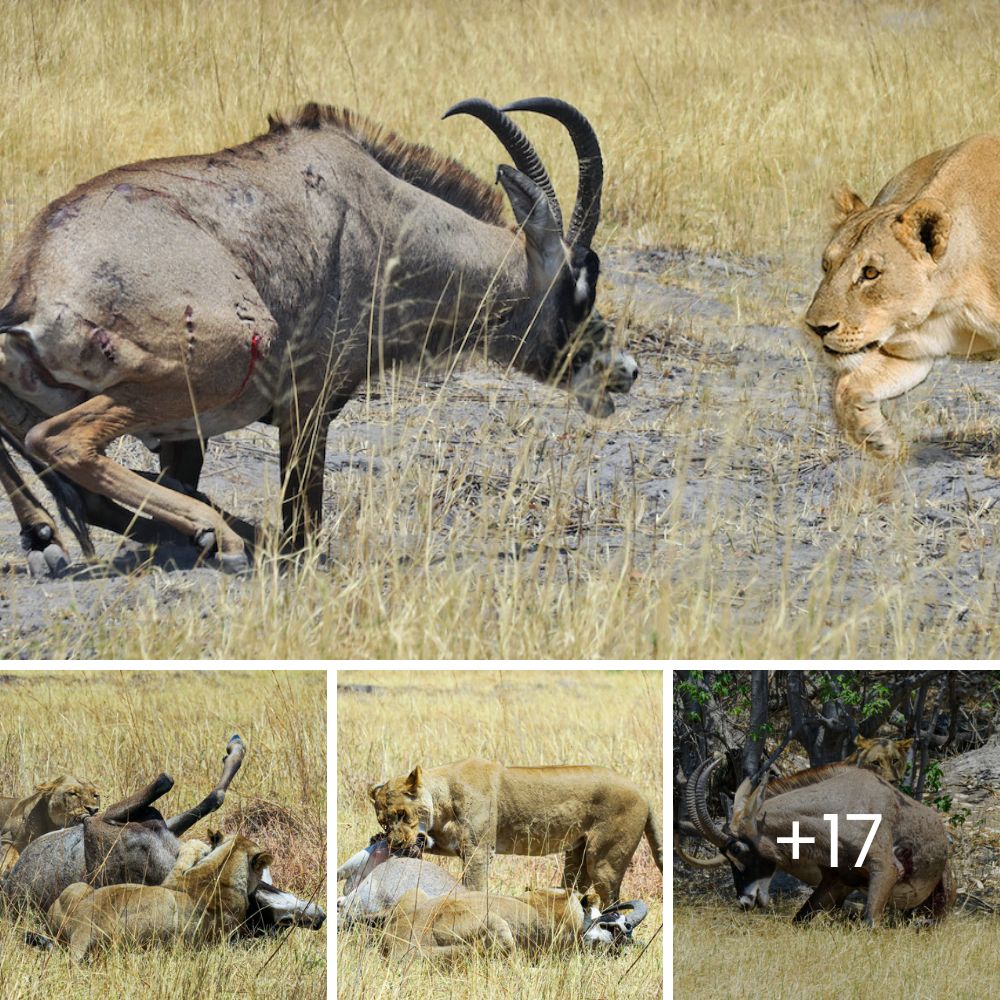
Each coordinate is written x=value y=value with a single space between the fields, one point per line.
x=189 y=326
x=102 y=338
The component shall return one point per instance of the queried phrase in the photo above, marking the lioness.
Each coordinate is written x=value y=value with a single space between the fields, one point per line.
x=54 y=805
x=886 y=757
x=913 y=277
x=444 y=926
x=475 y=807
x=202 y=901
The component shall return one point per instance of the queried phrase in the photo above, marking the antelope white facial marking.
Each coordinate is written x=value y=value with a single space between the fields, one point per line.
x=756 y=894
x=288 y=910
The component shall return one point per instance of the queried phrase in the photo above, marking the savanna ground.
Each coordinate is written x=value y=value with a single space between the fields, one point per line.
x=389 y=721
x=119 y=730
x=767 y=957
x=719 y=512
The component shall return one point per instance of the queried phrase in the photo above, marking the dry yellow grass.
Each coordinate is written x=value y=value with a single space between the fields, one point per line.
x=723 y=123
x=517 y=717
x=724 y=126
x=722 y=954
x=119 y=730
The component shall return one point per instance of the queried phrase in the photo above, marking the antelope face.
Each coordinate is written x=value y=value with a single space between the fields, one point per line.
x=597 y=367
x=752 y=874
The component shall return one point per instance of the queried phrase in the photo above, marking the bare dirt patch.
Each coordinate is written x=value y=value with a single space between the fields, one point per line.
x=722 y=475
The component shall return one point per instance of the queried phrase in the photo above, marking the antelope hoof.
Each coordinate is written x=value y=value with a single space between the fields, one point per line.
x=50 y=562
x=55 y=558
x=38 y=568
x=234 y=563
x=205 y=540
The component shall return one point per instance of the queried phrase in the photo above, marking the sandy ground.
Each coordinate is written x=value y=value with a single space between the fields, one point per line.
x=729 y=429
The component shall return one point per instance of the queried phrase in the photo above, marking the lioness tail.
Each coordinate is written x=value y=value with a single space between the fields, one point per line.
x=655 y=838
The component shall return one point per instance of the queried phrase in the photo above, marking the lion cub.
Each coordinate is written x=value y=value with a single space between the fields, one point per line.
x=204 y=898
x=474 y=808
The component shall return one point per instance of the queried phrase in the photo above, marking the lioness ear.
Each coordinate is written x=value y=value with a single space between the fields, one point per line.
x=845 y=203
x=214 y=837
x=924 y=227
x=260 y=861
x=413 y=780
x=905 y=745
x=860 y=742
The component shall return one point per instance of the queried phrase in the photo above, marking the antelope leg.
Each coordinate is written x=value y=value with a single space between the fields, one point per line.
x=235 y=751
x=131 y=808
x=73 y=442
x=39 y=535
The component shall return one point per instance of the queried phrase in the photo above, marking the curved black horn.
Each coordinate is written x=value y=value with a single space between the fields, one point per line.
x=516 y=143
x=587 y=211
x=695 y=798
x=635 y=911
x=693 y=860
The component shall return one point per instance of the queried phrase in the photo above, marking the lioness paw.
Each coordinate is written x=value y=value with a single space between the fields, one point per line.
x=883 y=444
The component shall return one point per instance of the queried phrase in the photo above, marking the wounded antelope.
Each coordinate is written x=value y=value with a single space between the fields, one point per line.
x=180 y=298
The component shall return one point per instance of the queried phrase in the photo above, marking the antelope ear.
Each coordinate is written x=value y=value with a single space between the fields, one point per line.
x=534 y=215
x=845 y=204
x=214 y=837
x=923 y=227
x=413 y=781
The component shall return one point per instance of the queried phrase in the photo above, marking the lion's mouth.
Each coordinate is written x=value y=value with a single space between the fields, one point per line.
x=873 y=346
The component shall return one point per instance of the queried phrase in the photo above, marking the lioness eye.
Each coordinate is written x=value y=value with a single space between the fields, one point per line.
x=870 y=273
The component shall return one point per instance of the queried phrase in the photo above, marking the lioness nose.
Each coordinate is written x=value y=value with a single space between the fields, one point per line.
x=820 y=330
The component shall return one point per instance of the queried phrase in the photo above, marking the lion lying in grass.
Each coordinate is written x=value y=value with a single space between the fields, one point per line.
x=54 y=805
x=204 y=899
x=444 y=926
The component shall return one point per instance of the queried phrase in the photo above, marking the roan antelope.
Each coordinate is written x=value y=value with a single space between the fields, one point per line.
x=180 y=298
x=906 y=865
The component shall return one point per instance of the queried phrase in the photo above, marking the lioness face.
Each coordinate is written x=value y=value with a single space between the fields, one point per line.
x=398 y=809
x=886 y=757
x=878 y=272
x=71 y=801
